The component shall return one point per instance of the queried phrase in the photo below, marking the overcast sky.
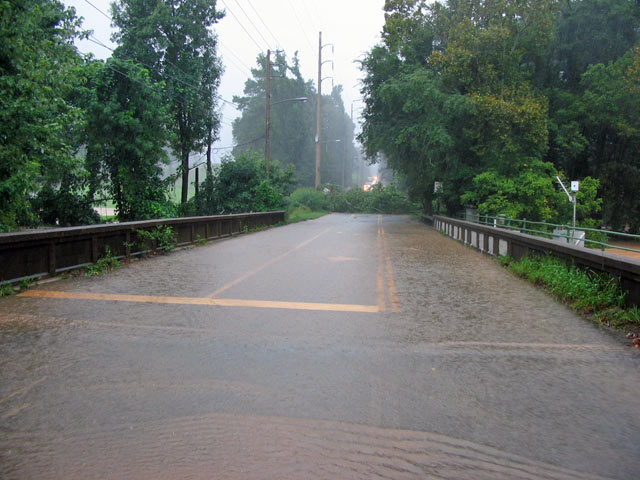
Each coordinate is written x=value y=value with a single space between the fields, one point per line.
x=252 y=26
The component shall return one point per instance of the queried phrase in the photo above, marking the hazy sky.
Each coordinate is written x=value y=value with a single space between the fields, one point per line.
x=252 y=26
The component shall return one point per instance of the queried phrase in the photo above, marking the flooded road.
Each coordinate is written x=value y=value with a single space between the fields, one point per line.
x=345 y=347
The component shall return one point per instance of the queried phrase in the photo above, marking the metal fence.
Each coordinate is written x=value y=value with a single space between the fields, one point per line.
x=49 y=252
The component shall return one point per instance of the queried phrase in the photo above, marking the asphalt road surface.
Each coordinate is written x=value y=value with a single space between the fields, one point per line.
x=352 y=346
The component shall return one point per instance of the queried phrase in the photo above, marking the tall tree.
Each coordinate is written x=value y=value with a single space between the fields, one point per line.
x=174 y=40
x=126 y=136
x=39 y=67
x=292 y=123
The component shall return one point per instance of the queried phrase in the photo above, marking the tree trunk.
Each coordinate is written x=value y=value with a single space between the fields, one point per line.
x=185 y=177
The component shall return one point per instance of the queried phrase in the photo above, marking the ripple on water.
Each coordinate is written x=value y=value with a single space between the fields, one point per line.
x=226 y=446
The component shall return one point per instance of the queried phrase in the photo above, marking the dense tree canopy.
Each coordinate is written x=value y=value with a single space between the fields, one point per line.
x=126 y=138
x=39 y=68
x=494 y=99
x=174 y=40
x=293 y=123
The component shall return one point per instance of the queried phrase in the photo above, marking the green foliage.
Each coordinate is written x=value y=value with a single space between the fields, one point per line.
x=241 y=184
x=493 y=99
x=160 y=238
x=302 y=213
x=6 y=289
x=175 y=39
x=377 y=200
x=126 y=136
x=107 y=261
x=39 y=68
x=293 y=123
x=308 y=197
x=587 y=291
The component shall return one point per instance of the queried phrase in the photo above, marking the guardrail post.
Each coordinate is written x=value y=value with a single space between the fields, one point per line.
x=94 y=248
x=127 y=244
x=524 y=225
x=603 y=238
x=52 y=258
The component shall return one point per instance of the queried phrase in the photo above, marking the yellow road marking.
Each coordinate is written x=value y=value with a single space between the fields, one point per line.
x=381 y=299
x=265 y=265
x=342 y=259
x=22 y=390
x=391 y=284
x=217 y=302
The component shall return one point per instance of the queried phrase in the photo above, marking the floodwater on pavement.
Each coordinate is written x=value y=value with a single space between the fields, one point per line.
x=352 y=346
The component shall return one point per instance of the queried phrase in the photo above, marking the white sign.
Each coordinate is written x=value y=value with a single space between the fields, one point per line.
x=575 y=186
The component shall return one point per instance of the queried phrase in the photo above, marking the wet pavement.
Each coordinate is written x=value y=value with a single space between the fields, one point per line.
x=352 y=346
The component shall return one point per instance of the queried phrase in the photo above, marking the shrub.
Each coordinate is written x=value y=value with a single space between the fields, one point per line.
x=308 y=197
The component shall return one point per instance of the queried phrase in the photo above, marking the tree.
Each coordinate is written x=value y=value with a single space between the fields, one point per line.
x=174 y=40
x=292 y=125
x=39 y=67
x=126 y=136
x=241 y=185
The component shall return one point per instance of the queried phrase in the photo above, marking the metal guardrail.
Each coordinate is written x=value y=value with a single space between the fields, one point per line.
x=45 y=253
x=545 y=229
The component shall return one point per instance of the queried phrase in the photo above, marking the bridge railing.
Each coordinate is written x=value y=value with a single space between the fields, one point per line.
x=599 y=238
x=49 y=252
x=499 y=241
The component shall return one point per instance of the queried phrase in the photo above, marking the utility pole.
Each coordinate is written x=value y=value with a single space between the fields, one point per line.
x=319 y=112
x=319 y=107
x=351 y=149
x=267 y=144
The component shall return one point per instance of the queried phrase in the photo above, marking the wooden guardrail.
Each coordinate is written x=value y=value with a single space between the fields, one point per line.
x=49 y=252
x=499 y=242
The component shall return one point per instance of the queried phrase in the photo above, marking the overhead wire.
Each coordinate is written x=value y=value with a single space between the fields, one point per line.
x=95 y=40
x=242 y=26
x=253 y=24
x=300 y=25
x=103 y=13
x=263 y=23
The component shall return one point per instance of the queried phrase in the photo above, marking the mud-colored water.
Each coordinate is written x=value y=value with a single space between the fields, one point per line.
x=480 y=375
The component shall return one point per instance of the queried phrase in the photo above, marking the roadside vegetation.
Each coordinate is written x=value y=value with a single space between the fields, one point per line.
x=305 y=203
x=590 y=293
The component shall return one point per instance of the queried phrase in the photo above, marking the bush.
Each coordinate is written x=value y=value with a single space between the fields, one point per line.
x=308 y=197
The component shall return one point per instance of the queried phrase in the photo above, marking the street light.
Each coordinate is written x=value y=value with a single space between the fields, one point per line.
x=267 y=142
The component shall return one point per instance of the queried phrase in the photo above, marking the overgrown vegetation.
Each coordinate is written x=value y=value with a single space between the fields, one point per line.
x=588 y=292
x=107 y=261
x=162 y=238
x=494 y=99
x=330 y=198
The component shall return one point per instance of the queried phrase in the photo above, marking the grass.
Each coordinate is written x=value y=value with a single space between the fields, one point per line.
x=302 y=213
x=105 y=263
x=588 y=292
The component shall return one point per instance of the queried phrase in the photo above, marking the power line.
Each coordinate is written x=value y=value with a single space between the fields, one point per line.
x=253 y=24
x=300 y=25
x=240 y=23
x=235 y=56
x=263 y=23
x=240 y=144
x=190 y=85
x=98 y=9
x=306 y=9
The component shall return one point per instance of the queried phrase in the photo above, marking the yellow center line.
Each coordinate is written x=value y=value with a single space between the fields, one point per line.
x=391 y=284
x=265 y=265
x=381 y=298
x=217 y=302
